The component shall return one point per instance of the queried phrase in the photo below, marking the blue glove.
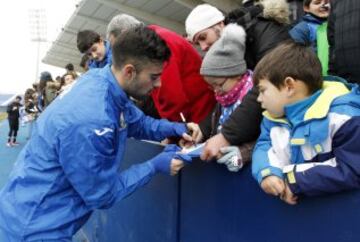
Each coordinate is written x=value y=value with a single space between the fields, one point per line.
x=232 y=158
x=179 y=129
x=162 y=161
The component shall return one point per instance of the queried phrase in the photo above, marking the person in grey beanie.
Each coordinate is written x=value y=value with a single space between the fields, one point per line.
x=225 y=70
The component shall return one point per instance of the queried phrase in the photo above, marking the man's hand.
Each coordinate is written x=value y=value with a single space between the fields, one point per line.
x=212 y=147
x=288 y=196
x=175 y=166
x=273 y=185
x=193 y=136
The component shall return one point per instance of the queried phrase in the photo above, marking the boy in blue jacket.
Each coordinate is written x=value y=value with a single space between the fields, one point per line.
x=70 y=166
x=309 y=143
x=316 y=13
x=95 y=47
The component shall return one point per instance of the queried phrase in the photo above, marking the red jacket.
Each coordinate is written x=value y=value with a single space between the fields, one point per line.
x=182 y=88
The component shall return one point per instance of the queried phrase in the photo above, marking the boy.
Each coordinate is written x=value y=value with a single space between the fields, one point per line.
x=98 y=50
x=310 y=131
x=312 y=29
x=13 y=117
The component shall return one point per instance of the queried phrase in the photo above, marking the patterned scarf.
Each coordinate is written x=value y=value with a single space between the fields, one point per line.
x=232 y=99
x=237 y=92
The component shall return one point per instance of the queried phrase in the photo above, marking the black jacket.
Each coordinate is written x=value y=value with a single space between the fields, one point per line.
x=13 y=111
x=263 y=34
x=344 y=39
x=242 y=127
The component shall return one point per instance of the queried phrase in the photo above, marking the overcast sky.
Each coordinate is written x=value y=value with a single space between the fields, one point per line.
x=18 y=63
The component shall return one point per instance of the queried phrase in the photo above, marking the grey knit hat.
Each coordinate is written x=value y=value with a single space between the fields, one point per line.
x=226 y=56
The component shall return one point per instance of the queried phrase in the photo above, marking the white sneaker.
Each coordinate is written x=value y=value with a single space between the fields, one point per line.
x=9 y=144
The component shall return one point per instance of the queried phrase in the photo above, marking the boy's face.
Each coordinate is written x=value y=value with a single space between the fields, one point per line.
x=317 y=8
x=207 y=37
x=97 y=51
x=221 y=85
x=141 y=84
x=272 y=99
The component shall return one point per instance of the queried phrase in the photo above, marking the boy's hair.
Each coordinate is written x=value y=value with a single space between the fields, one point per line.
x=290 y=59
x=84 y=61
x=306 y=3
x=85 y=39
x=69 y=67
x=139 y=46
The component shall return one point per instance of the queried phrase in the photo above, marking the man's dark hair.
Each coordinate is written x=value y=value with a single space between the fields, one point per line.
x=69 y=67
x=18 y=97
x=290 y=59
x=306 y=3
x=85 y=39
x=139 y=46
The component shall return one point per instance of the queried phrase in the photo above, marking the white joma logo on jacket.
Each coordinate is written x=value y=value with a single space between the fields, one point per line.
x=103 y=131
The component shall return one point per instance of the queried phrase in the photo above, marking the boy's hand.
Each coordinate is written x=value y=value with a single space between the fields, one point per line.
x=288 y=196
x=273 y=185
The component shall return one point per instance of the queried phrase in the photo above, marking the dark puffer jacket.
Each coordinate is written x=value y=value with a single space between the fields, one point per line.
x=344 y=39
x=266 y=25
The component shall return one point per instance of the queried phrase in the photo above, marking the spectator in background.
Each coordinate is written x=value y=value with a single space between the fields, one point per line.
x=47 y=90
x=13 y=118
x=30 y=109
x=311 y=29
x=67 y=80
x=70 y=167
x=344 y=39
x=69 y=67
x=84 y=63
x=266 y=25
x=182 y=90
x=95 y=47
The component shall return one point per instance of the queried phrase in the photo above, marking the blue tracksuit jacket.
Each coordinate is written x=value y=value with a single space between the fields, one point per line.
x=70 y=165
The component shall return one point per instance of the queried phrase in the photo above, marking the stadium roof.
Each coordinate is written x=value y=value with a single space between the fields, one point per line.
x=96 y=14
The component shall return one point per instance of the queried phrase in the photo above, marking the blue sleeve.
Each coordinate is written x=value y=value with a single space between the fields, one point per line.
x=145 y=127
x=341 y=171
x=261 y=166
x=300 y=33
x=89 y=164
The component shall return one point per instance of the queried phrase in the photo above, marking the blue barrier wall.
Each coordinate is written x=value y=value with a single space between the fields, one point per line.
x=208 y=203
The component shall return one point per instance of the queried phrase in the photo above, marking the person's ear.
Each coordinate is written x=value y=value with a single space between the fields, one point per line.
x=306 y=9
x=129 y=72
x=289 y=84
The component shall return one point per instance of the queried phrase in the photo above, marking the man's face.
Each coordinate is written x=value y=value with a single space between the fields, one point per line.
x=206 y=38
x=317 y=7
x=97 y=51
x=143 y=82
x=272 y=99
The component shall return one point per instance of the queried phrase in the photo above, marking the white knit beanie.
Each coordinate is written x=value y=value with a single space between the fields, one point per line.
x=202 y=17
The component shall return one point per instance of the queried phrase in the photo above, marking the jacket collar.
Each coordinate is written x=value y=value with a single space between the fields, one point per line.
x=333 y=87
x=120 y=98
